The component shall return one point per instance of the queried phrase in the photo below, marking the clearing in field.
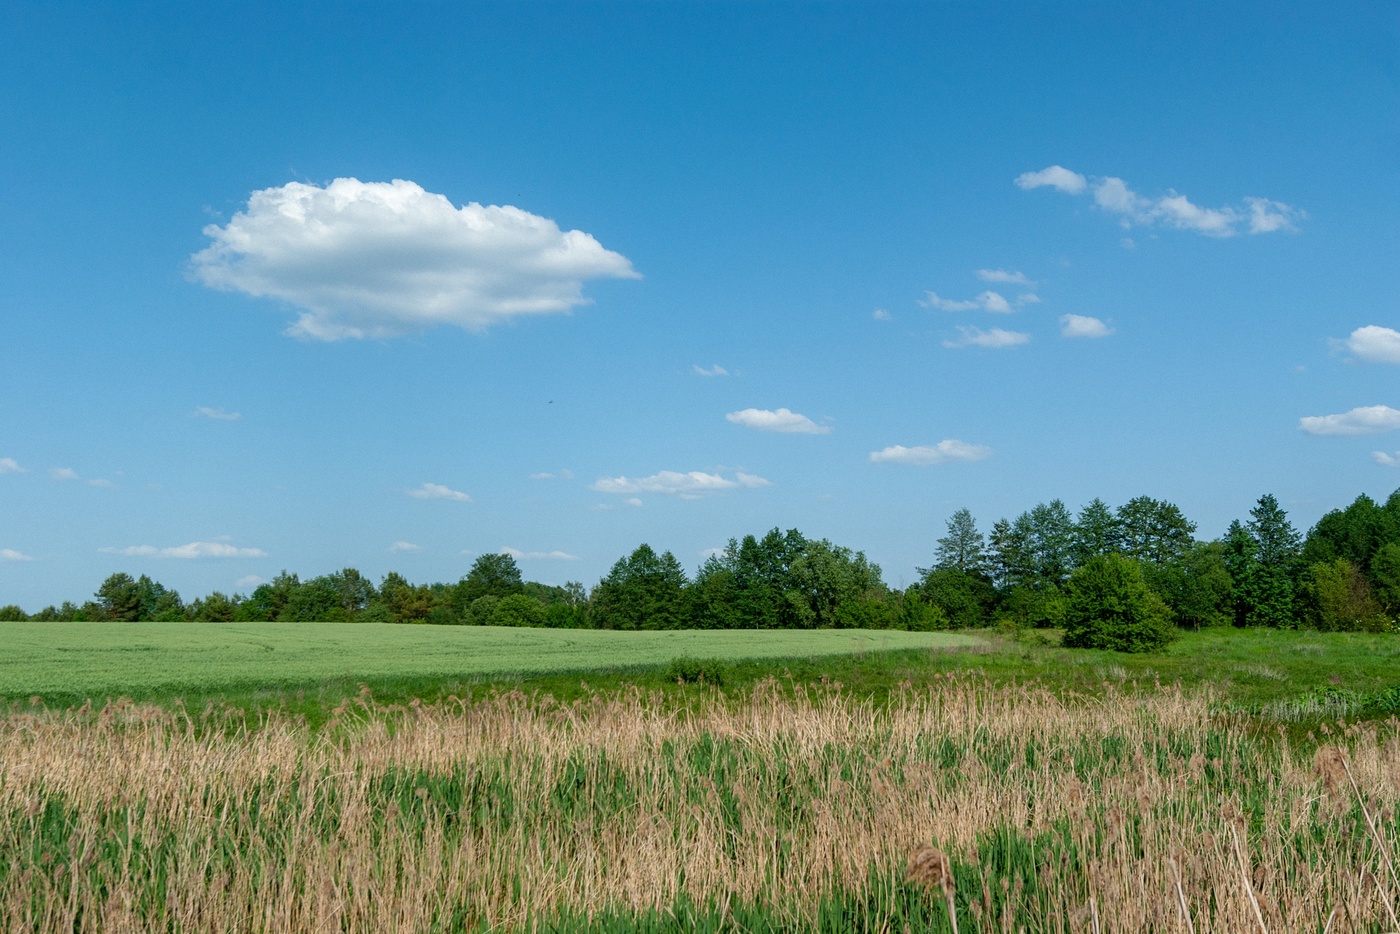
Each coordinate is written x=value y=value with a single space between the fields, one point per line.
x=145 y=659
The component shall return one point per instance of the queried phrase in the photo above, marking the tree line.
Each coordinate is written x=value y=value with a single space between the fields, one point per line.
x=1137 y=569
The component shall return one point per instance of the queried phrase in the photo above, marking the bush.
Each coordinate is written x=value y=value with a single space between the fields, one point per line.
x=696 y=671
x=517 y=610
x=1109 y=606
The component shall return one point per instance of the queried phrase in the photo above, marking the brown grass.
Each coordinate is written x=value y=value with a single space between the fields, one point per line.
x=516 y=808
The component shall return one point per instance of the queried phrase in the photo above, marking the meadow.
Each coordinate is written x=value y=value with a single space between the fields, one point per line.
x=997 y=785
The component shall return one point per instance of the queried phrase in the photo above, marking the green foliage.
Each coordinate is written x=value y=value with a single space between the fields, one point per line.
x=965 y=599
x=642 y=591
x=119 y=599
x=1337 y=596
x=687 y=670
x=1153 y=531
x=517 y=609
x=11 y=614
x=1109 y=606
x=963 y=547
x=1197 y=587
x=495 y=575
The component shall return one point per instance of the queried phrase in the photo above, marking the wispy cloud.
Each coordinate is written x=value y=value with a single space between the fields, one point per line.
x=689 y=485
x=1172 y=209
x=102 y=483
x=9 y=554
x=63 y=473
x=1363 y=420
x=1373 y=344
x=378 y=259
x=1008 y=276
x=1083 y=326
x=992 y=338
x=1387 y=459
x=219 y=415
x=405 y=548
x=880 y=314
x=438 y=491
x=715 y=370
x=192 y=550
x=249 y=582
x=519 y=555
x=784 y=421
x=553 y=475
x=10 y=465
x=990 y=301
x=947 y=451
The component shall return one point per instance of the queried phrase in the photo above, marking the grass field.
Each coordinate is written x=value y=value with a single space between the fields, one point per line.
x=66 y=661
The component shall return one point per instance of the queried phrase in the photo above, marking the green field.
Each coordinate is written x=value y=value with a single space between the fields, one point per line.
x=67 y=660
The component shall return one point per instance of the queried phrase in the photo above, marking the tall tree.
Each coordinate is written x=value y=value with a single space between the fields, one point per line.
x=494 y=575
x=1051 y=542
x=1096 y=532
x=963 y=547
x=642 y=591
x=1154 y=531
x=119 y=599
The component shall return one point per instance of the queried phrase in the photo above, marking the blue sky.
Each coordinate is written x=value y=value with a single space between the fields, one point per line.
x=219 y=361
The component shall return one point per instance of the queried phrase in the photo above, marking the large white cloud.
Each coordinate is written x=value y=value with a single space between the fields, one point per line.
x=780 y=420
x=992 y=338
x=1363 y=420
x=1112 y=194
x=687 y=485
x=192 y=550
x=1083 y=326
x=947 y=451
x=376 y=259
x=438 y=491
x=1374 y=344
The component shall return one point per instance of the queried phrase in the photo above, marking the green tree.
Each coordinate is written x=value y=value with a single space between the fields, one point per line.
x=1385 y=571
x=215 y=608
x=826 y=576
x=1154 y=531
x=642 y=591
x=268 y=601
x=496 y=575
x=1197 y=587
x=963 y=547
x=1269 y=588
x=12 y=614
x=517 y=609
x=965 y=599
x=118 y=599
x=1051 y=542
x=1110 y=606
x=1096 y=532
x=1010 y=555
x=1337 y=596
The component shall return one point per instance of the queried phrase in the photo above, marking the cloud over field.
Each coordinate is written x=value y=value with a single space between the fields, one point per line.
x=784 y=421
x=689 y=485
x=947 y=451
x=438 y=491
x=192 y=550
x=378 y=259
x=1363 y=420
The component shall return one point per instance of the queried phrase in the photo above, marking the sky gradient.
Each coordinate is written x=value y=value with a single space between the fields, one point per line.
x=397 y=286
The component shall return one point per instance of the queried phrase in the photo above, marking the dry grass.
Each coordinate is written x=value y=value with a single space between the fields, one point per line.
x=1126 y=813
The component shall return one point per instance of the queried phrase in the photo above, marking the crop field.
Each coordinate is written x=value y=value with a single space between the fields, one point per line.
x=97 y=660
x=791 y=807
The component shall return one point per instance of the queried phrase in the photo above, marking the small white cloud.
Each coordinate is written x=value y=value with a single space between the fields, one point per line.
x=633 y=501
x=438 y=491
x=1028 y=298
x=947 y=451
x=217 y=414
x=880 y=314
x=9 y=554
x=1056 y=176
x=992 y=338
x=1363 y=420
x=63 y=473
x=192 y=550
x=1083 y=326
x=553 y=475
x=10 y=465
x=249 y=582
x=715 y=370
x=689 y=485
x=994 y=302
x=989 y=301
x=404 y=548
x=101 y=482
x=378 y=259
x=784 y=421
x=1266 y=216
x=1008 y=276
x=713 y=553
x=519 y=555
x=752 y=481
x=933 y=300
x=1113 y=194
x=1374 y=344
x=1389 y=460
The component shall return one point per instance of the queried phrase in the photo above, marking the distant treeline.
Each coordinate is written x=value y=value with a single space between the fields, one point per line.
x=1041 y=569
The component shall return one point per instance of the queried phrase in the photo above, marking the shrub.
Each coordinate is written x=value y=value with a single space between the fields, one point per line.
x=1109 y=606
x=517 y=610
